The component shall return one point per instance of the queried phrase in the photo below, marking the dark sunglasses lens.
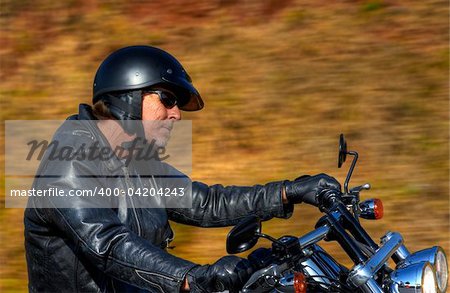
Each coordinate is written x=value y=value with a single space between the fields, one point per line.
x=168 y=99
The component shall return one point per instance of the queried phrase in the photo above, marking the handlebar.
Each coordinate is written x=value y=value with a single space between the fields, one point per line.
x=314 y=236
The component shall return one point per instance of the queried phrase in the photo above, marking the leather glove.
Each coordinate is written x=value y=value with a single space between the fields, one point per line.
x=306 y=188
x=228 y=273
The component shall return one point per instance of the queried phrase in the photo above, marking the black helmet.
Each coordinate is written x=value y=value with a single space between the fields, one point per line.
x=123 y=74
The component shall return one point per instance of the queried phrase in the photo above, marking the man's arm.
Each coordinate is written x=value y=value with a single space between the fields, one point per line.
x=218 y=206
x=117 y=251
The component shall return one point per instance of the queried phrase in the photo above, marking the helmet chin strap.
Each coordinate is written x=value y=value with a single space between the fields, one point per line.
x=127 y=108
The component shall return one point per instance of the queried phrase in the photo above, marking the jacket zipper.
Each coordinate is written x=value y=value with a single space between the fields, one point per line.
x=167 y=240
x=129 y=185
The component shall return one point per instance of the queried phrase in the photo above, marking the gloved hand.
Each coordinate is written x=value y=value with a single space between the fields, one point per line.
x=306 y=188
x=228 y=273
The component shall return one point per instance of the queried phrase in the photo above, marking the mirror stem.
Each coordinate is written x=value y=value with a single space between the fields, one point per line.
x=355 y=154
x=262 y=235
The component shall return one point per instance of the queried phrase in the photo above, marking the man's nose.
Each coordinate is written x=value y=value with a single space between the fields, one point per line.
x=174 y=113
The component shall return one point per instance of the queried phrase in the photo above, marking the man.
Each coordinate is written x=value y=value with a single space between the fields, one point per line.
x=122 y=248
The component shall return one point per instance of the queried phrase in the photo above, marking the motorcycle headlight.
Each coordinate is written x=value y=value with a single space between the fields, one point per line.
x=441 y=270
x=428 y=280
x=437 y=258
x=418 y=277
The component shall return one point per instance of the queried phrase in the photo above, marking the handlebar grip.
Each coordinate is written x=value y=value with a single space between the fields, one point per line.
x=327 y=197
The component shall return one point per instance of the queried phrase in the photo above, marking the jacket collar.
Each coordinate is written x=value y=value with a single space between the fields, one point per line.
x=85 y=114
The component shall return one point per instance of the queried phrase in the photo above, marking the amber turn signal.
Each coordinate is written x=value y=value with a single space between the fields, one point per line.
x=299 y=282
x=378 y=209
x=371 y=209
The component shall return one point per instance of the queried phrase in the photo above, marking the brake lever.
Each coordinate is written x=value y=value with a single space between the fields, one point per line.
x=352 y=199
x=265 y=277
x=360 y=188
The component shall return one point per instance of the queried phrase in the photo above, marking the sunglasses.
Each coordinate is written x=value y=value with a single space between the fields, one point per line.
x=168 y=99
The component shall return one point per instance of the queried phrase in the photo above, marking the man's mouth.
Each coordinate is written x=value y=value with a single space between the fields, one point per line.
x=167 y=126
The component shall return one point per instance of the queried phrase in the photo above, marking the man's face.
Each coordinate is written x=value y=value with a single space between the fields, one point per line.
x=157 y=119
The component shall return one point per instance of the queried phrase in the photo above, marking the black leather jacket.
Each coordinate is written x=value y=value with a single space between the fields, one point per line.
x=123 y=249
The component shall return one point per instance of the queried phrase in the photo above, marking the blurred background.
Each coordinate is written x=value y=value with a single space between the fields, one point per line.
x=281 y=80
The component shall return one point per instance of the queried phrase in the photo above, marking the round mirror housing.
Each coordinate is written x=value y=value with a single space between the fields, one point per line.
x=244 y=235
x=342 y=150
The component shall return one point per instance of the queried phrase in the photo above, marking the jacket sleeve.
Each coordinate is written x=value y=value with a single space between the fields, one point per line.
x=219 y=206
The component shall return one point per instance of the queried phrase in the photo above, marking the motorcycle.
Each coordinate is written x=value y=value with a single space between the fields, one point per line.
x=299 y=264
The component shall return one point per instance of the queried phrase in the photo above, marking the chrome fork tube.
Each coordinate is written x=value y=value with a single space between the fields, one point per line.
x=363 y=272
x=371 y=287
x=401 y=253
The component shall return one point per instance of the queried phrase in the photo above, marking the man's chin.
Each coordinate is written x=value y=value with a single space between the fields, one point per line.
x=159 y=141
